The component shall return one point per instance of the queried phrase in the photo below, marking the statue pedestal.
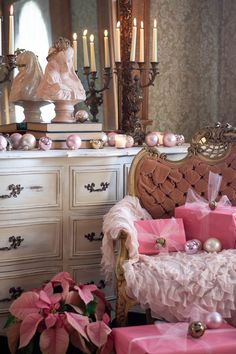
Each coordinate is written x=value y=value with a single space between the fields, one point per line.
x=32 y=110
x=64 y=111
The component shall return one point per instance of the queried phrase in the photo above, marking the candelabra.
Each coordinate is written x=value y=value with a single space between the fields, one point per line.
x=130 y=79
x=7 y=64
x=94 y=96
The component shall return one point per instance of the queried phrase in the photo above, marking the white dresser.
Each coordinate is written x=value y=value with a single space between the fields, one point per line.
x=51 y=210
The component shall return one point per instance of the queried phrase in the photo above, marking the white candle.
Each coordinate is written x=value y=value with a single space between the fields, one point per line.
x=120 y=141
x=75 y=51
x=141 y=44
x=0 y=36
x=85 y=49
x=117 y=42
x=11 y=31
x=133 y=43
x=154 y=42
x=92 y=54
x=106 y=50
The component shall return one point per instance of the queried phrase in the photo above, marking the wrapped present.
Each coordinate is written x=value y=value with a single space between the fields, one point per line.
x=162 y=235
x=172 y=338
x=209 y=218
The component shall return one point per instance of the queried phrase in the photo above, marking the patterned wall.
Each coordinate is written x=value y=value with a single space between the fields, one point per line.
x=197 y=83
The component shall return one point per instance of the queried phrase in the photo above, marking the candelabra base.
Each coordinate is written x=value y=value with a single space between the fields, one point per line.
x=64 y=111
x=32 y=110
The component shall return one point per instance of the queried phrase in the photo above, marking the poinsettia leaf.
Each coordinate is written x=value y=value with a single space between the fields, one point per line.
x=54 y=341
x=10 y=320
x=29 y=349
x=90 y=308
x=24 y=305
x=79 y=342
x=28 y=328
x=85 y=292
x=78 y=322
x=98 y=333
x=13 y=335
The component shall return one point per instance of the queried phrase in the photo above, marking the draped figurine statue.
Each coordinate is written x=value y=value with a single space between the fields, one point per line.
x=60 y=84
x=25 y=85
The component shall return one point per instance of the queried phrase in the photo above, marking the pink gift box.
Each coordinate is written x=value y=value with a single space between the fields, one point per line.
x=149 y=231
x=173 y=339
x=219 y=223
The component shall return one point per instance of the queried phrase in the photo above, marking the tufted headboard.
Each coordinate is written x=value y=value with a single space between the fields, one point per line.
x=161 y=185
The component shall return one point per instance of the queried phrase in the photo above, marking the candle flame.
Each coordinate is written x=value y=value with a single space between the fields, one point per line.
x=155 y=23
x=106 y=33
x=135 y=22
x=75 y=36
x=11 y=10
x=92 y=38
x=85 y=32
x=118 y=24
x=142 y=24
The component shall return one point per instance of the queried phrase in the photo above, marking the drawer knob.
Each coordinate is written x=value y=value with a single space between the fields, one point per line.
x=92 y=237
x=91 y=187
x=14 y=294
x=15 y=191
x=15 y=242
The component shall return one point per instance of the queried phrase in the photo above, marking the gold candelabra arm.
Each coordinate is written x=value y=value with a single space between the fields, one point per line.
x=7 y=64
x=94 y=96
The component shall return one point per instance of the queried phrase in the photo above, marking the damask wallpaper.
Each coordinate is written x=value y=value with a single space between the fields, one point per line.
x=197 y=51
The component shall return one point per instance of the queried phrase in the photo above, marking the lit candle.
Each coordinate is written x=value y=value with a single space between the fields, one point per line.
x=120 y=141
x=92 y=54
x=141 y=44
x=106 y=50
x=117 y=42
x=0 y=36
x=85 y=49
x=11 y=31
x=154 y=42
x=133 y=43
x=75 y=50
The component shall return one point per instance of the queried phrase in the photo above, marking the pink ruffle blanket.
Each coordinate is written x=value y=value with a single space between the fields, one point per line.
x=169 y=283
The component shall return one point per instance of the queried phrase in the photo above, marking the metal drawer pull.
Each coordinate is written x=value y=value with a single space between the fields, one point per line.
x=14 y=294
x=101 y=284
x=15 y=191
x=92 y=237
x=90 y=187
x=36 y=188
x=15 y=243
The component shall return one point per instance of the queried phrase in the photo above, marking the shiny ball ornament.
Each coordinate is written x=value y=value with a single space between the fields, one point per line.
x=169 y=139
x=3 y=143
x=129 y=141
x=196 y=329
x=214 y=320
x=151 y=139
x=104 y=138
x=179 y=139
x=73 y=142
x=28 y=142
x=45 y=143
x=212 y=245
x=199 y=244
x=191 y=247
x=81 y=116
x=213 y=205
x=15 y=139
x=111 y=138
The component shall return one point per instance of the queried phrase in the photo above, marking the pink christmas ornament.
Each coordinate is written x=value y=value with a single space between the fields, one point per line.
x=73 y=142
x=151 y=139
x=198 y=243
x=129 y=141
x=104 y=138
x=214 y=320
x=179 y=139
x=3 y=143
x=15 y=140
x=27 y=142
x=191 y=247
x=169 y=139
x=45 y=143
x=111 y=138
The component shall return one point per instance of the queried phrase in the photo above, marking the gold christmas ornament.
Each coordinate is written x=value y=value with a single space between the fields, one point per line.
x=196 y=329
x=212 y=245
x=160 y=242
x=213 y=205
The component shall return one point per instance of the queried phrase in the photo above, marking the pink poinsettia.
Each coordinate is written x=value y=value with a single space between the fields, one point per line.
x=61 y=311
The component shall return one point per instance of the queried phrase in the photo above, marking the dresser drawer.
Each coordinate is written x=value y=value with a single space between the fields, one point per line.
x=86 y=237
x=92 y=274
x=31 y=239
x=37 y=188
x=23 y=280
x=95 y=186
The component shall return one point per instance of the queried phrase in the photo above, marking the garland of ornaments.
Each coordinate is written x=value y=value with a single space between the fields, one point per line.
x=27 y=141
